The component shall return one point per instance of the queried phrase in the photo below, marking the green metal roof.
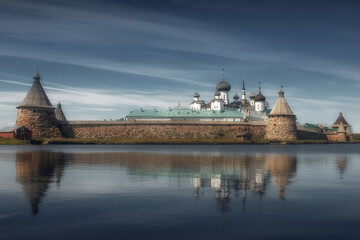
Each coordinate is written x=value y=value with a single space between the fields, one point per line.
x=316 y=127
x=267 y=111
x=312 y=126
x=167 y=113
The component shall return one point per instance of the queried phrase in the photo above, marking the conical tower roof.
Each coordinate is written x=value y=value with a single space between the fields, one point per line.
x=340 y=119
x=59 y=114
x=281 y=106
x=36 y=97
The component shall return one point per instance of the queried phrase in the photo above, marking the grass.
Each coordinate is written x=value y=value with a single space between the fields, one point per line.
x=357 y=137
x=9 y=141
x=178 y=141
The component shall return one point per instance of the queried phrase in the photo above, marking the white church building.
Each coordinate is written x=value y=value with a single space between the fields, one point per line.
x=220 y=108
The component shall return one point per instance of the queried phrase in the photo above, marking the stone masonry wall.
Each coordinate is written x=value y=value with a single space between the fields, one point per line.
x=162 y=130
x=40 y=121
x=308 y=135
x=337 y=137
x=281 y=128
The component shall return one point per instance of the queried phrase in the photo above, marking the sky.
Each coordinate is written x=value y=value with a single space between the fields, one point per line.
x=102 y=59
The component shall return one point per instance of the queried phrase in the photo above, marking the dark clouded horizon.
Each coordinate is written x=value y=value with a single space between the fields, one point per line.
x=102 y=59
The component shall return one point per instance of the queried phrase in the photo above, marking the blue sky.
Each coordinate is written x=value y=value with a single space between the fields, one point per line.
x=101 y=59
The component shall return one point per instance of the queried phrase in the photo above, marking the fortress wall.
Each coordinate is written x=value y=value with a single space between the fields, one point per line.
x=108 y=130
x=311 y=135
x=338 y=137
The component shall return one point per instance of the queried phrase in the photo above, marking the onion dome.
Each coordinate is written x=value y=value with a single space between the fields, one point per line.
x=223 y=85
x=196 y=95
x=217 y=93
x=252 y=95
x=236 y=96
x=259 y=97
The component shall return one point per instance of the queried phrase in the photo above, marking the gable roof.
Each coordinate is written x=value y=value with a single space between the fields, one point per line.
x=36 y=97
x=281 y=106
x=10 y=129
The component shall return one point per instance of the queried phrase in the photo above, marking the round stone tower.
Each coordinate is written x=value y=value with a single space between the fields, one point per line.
x=36 y=112
x=281 y=124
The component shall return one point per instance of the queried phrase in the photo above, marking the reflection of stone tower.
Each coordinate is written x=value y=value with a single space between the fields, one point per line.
x=281 y=124
x=35 y=172
x=341 y=163
x=36 y=112
x=282 y=168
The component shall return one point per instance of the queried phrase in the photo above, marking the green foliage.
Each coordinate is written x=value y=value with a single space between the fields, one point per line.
x=9 y=141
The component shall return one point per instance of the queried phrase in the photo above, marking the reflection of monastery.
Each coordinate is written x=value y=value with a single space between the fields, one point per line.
x=225 y=177
x=240 y=119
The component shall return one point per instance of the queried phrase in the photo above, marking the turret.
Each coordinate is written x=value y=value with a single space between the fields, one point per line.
x=243 y=94
x=252 y=98
x=59 y=114
x=217 y=103
x=244 y=101
x=36 y=112
x=196 y=96
x=281 y=124
x=197 y=103
x=344 y=128
x=341 y=133
x=236 y=97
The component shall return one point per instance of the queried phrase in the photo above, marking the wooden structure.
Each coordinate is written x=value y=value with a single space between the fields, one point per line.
x=18 y=132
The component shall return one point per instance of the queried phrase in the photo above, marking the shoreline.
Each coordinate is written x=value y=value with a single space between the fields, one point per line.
x=73 y=141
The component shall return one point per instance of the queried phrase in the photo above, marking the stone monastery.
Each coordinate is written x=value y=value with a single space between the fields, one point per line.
x=240 y=119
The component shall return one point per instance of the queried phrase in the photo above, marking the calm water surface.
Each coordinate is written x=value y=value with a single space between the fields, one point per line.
x=180 y=192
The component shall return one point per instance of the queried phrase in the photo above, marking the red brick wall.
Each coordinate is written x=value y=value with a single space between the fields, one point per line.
x=6 y=135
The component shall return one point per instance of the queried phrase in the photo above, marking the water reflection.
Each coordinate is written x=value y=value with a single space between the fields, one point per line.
x=35 y=171
x=282 y=168
x=229 y=176
x=341 y=163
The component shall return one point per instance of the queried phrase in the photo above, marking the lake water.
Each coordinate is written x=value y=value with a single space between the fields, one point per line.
x=180 y=192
